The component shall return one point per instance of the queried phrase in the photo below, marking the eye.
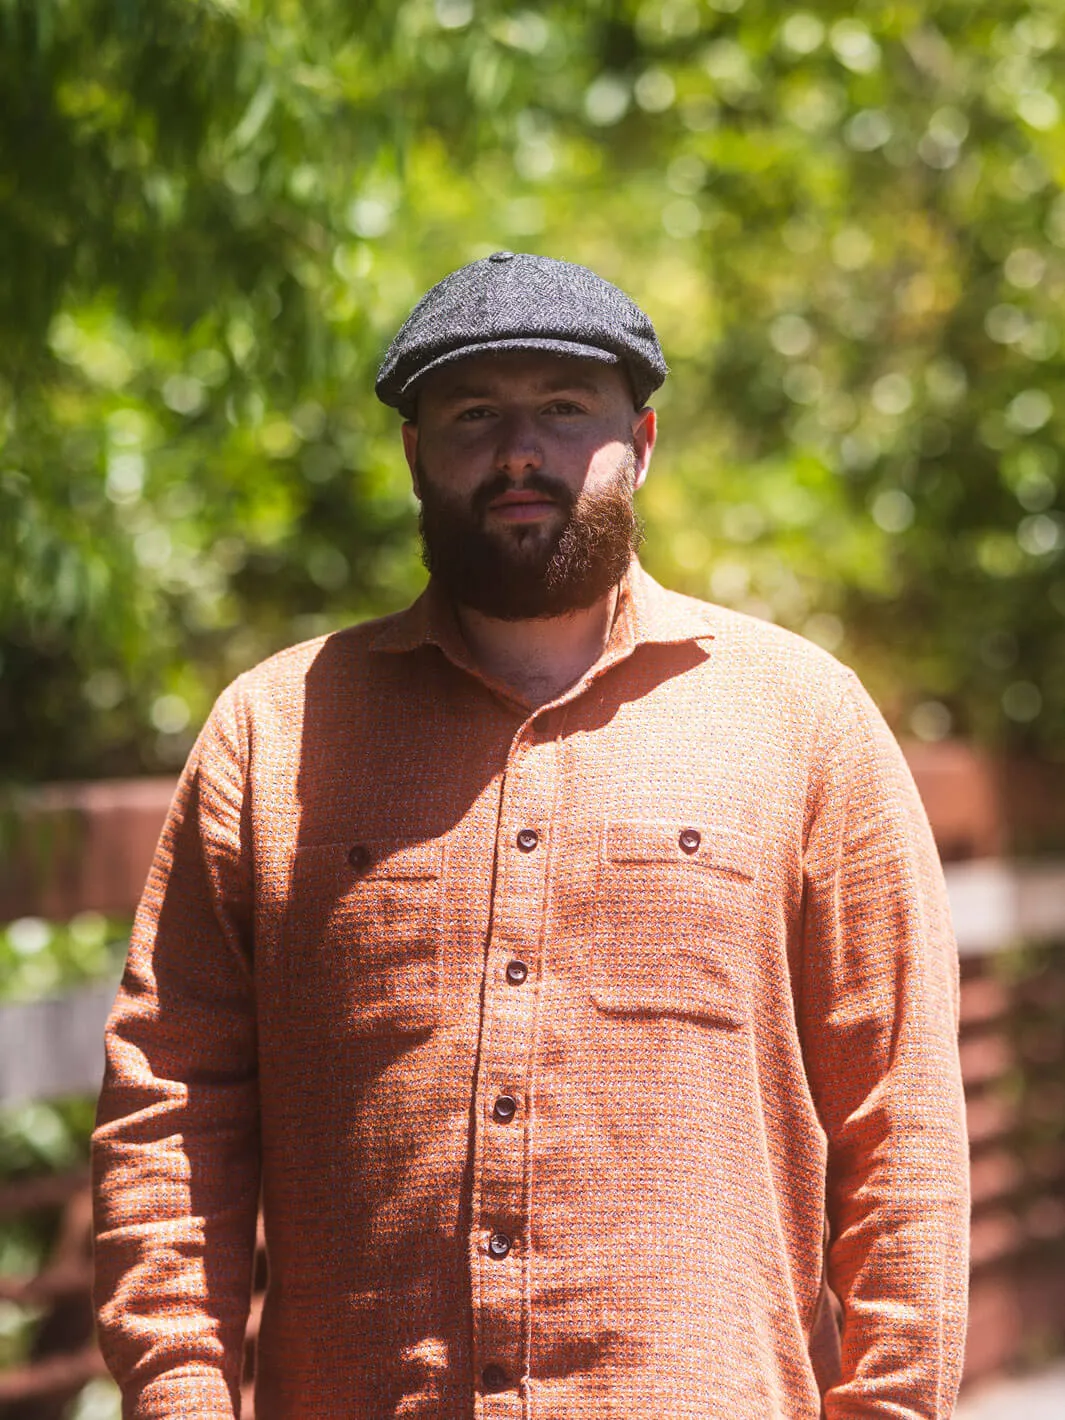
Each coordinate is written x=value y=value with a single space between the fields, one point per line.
x=474 y=413
x=565 y=406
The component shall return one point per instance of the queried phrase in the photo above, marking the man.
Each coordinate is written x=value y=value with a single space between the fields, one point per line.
x=563 y=958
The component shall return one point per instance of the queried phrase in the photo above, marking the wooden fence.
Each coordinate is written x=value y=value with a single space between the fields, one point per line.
x=88 y=847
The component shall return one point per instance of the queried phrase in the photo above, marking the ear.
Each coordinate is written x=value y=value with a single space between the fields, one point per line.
x=409 y=433
x=644 y=433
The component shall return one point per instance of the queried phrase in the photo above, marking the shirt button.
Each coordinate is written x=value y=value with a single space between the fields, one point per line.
x=498 y=1245
x=504 y=1109
x=517 y=971
x=494 y=1378
x=689 y=839
x=359 y=857
x=528 y=838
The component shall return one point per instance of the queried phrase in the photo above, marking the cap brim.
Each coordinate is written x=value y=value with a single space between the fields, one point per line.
x=570 y=348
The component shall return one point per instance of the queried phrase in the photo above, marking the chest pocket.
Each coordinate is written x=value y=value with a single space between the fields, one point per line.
x=673 y=921
x=365 y=935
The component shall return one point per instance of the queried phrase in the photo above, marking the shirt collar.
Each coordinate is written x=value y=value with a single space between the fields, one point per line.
x=646 y=614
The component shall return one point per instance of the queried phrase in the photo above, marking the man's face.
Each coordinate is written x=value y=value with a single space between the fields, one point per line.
x=526 y=464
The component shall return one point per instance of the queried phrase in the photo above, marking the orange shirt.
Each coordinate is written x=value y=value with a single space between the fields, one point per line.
x=553 y=1039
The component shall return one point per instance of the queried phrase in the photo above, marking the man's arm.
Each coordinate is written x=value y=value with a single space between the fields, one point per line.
x=176 y=1150
x=878 y=1014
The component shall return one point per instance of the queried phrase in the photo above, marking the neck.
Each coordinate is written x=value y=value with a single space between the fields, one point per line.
x=540 y=659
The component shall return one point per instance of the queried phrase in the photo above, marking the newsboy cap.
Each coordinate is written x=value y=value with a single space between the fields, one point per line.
x=513 y=301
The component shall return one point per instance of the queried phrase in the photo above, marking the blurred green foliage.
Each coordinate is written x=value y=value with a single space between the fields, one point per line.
x=17 y=1326
x=43 y=1137
x=39 y=958
x=100 y=1400
x=846 y=221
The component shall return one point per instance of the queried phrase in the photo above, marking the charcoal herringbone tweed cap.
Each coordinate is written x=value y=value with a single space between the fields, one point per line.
x=514 y=301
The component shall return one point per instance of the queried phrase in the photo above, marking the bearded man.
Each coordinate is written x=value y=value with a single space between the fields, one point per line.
x=566 y=962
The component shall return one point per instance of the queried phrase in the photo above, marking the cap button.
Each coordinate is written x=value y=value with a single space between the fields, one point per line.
x=502 y=256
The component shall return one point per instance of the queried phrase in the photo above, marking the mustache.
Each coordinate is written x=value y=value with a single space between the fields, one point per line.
x=496 y=486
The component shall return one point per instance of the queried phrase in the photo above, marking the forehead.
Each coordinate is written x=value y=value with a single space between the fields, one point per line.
x=520 y=373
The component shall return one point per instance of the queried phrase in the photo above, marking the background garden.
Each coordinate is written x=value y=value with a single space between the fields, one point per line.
x=846 y=221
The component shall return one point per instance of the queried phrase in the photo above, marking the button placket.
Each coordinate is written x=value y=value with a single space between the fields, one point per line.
x=500 y=1200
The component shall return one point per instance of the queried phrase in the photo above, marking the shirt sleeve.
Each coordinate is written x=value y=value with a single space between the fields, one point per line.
x=176 y=1150
x=879 y=1017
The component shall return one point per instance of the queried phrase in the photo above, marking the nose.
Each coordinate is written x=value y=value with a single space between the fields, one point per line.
x=518 y=452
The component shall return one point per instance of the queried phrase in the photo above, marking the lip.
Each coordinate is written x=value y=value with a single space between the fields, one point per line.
x=522 y=506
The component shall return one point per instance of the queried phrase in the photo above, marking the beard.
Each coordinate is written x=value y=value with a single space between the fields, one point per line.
x=521 y=573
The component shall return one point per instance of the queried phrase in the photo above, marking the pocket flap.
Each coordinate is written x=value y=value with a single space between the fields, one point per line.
x=409 y=862
x=369 y=858
x=728 y=850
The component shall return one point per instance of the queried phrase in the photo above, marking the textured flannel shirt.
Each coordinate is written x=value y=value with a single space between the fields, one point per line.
x=556 y=1041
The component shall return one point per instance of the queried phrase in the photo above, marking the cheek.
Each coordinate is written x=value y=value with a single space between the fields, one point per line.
x=604 y=463
x=458 y=461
